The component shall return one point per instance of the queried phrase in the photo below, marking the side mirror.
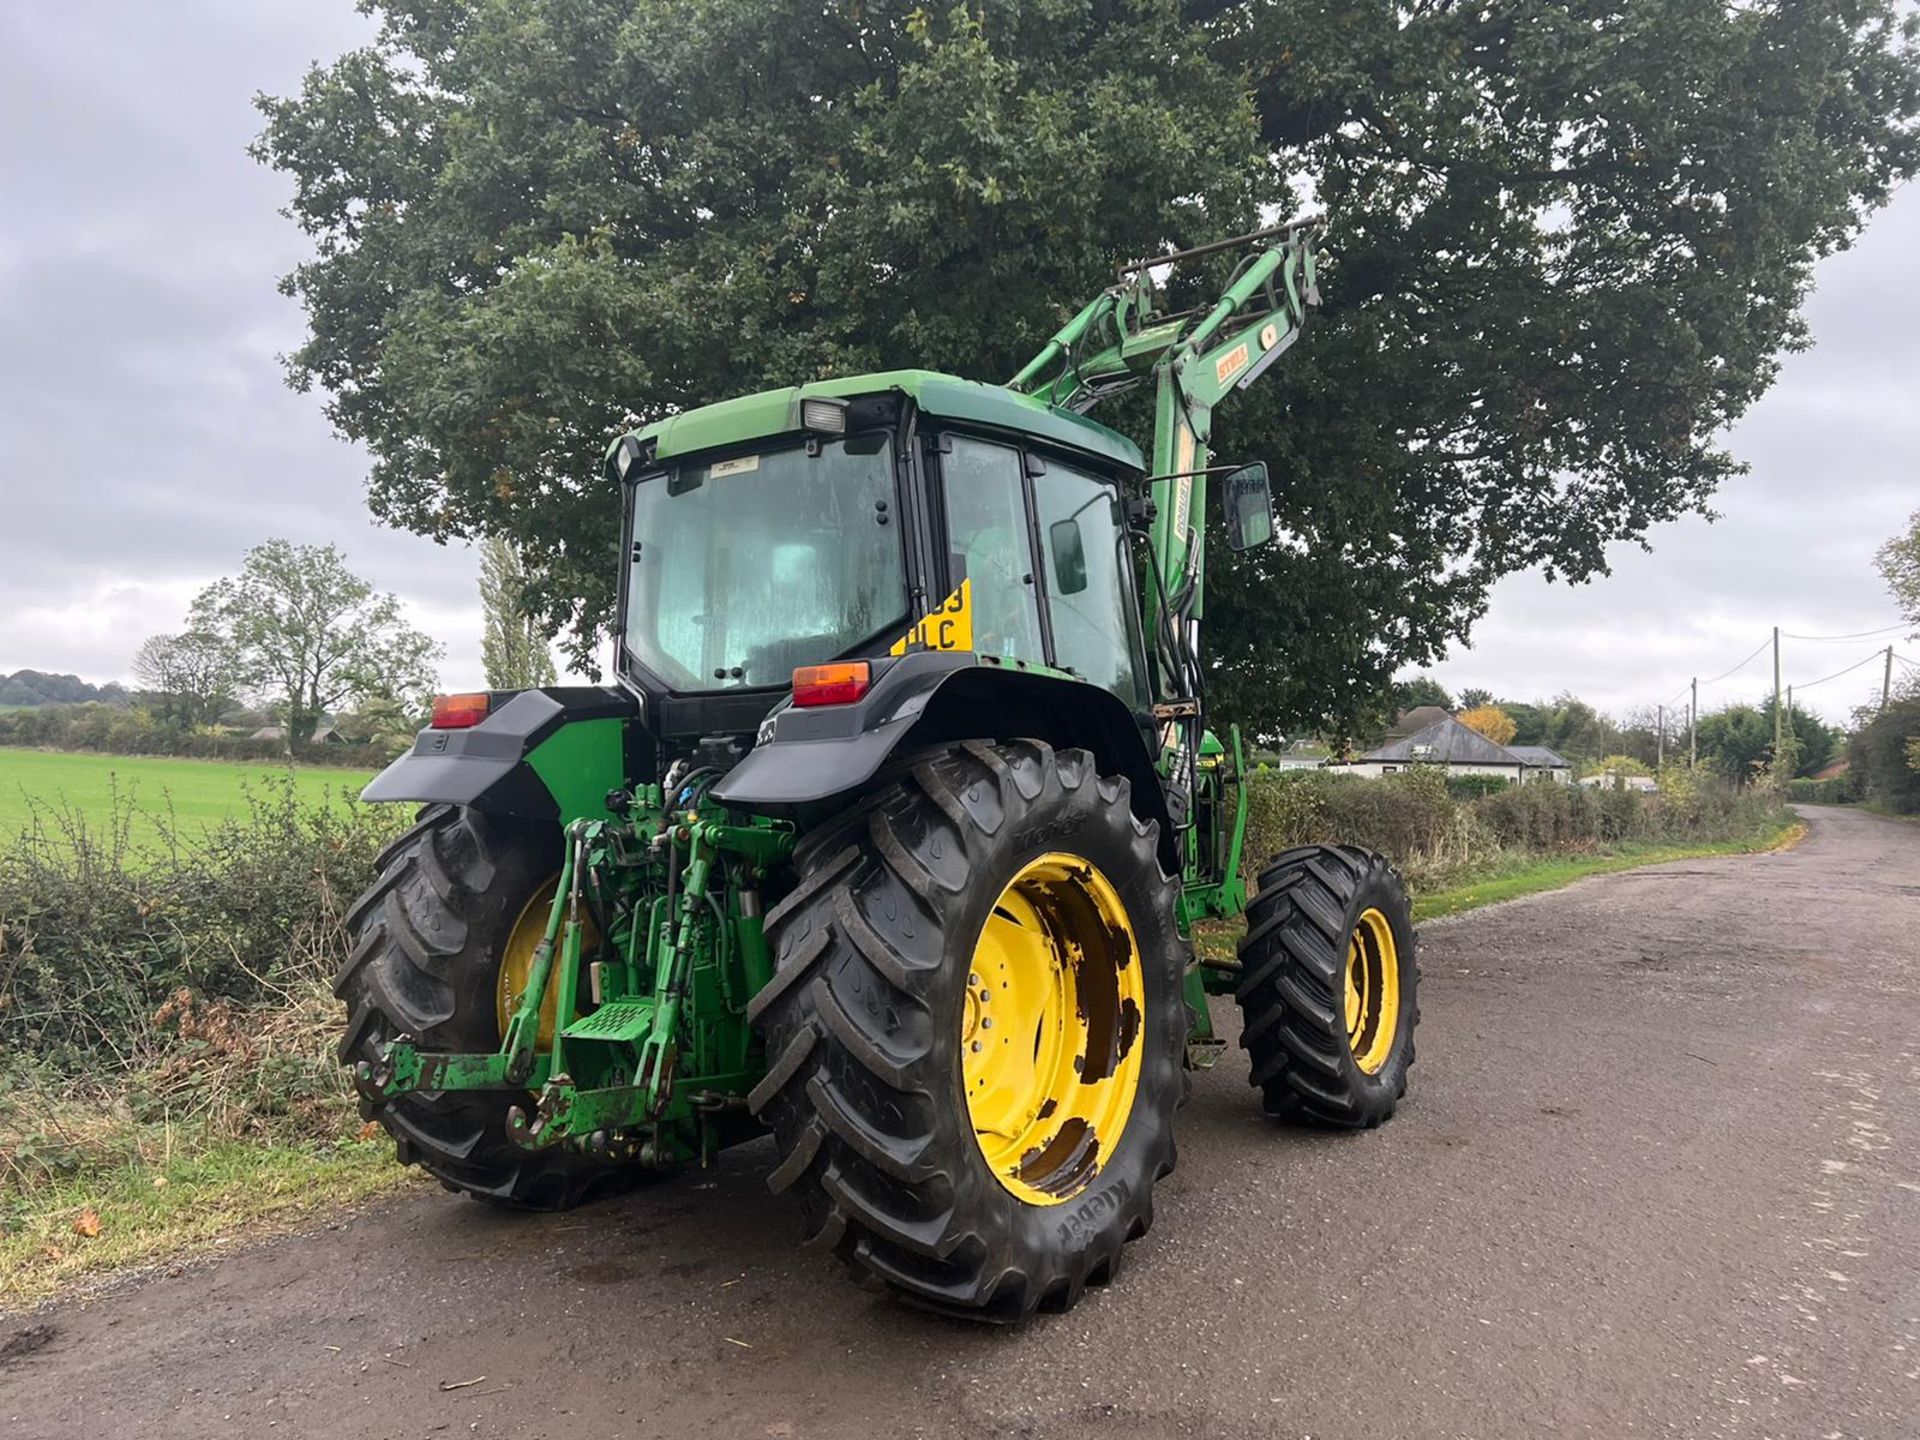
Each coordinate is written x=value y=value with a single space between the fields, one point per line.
x=1069 y=556
x=1249 y=502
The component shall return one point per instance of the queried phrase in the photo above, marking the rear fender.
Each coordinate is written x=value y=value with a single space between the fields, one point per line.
x=550 y=755
x=806 y=761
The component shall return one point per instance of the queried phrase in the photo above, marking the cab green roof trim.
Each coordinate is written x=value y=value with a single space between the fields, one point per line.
x=777 y=412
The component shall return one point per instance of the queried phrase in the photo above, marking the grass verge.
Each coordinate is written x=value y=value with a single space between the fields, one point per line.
x=240 y=1126
x=149 y=1214
x=1511 y=883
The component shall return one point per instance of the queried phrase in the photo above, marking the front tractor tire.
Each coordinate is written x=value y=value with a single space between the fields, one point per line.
x=434 y=939
x=1329 y=987
x=975 y=1030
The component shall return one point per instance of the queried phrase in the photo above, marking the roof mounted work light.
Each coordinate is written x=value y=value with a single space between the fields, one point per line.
x=824 y=417
x=626 y=455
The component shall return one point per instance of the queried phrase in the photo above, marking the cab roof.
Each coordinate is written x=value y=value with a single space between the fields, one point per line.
x=777 y=412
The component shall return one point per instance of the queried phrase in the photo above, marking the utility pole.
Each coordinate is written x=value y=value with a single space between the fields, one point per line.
x=1776 y=690
x=1693 y=719
x=1886 y=681
x=1660 y=737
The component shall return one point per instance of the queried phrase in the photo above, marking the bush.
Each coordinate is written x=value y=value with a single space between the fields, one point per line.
x=96 y=935
x=1472 y=787
x=154 y=1002
x=1820 y=792
x=1879 y=756
x=1409 y=817
x=1421 y=822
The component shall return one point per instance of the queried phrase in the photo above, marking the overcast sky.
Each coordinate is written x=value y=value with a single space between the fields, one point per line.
x=147 y=438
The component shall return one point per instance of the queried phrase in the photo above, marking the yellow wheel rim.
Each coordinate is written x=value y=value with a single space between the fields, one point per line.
x=1373 y=991
x=516 y=960
x=1053 y=1011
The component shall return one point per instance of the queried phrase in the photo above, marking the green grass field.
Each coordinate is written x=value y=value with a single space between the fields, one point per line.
x=194 y=793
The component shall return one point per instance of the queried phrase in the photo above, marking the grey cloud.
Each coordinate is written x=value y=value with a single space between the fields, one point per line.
x=146 y=435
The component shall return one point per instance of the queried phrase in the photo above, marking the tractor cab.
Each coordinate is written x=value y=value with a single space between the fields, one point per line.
x=865 y=517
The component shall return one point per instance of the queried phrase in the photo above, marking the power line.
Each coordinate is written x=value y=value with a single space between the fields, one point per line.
x=1761 y=648
x=1858 y=635
x=1838 y=673
x=1758 y=651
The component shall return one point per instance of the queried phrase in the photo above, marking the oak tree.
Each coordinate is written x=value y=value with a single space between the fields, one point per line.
x=1568 y=242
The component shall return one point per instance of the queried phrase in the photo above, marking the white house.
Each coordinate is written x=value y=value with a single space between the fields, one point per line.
x=1462 y=751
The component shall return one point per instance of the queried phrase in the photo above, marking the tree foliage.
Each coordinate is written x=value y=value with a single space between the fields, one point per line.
x=1884 y=758
x=1569 y=242
x=1420 y=690
x=37 y=687
x=1899 y=563
x=513 y=646
x=1490 y=721
x=1814 y=742
x=1736 y=741
x=1576 y=730
x=309 y=633
x=192 y=676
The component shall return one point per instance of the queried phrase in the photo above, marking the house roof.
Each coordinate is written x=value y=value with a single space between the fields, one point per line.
x=1540 y=755
x=1445 y=742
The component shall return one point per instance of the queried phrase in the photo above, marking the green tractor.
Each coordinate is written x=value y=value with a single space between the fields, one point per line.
x=892 y=835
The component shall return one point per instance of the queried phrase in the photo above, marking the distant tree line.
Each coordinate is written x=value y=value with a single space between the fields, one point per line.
x=37 y=687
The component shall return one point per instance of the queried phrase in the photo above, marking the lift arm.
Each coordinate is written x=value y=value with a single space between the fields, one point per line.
x=1195 y=359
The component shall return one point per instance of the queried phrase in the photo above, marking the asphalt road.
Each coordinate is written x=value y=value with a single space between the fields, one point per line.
x=1657 y=1175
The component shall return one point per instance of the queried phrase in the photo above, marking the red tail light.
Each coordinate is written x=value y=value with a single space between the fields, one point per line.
x=457 y=712
x=837 y=684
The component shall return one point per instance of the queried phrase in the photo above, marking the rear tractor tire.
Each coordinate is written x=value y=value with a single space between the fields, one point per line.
x=1329 y=987
x=458 y=904
x=975 y=1030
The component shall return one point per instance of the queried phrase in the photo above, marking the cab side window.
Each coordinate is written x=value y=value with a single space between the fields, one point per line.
x=987 y=541
x=1083 y=540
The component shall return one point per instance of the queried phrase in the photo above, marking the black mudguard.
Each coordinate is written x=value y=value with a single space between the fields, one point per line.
x=806 y=761
x=550 y=754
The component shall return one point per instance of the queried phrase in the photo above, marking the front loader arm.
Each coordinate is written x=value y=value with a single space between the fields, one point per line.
x=1195 y=358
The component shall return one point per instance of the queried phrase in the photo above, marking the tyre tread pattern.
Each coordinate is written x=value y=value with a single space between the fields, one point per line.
x=855 y=1094
x=1292 y=986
